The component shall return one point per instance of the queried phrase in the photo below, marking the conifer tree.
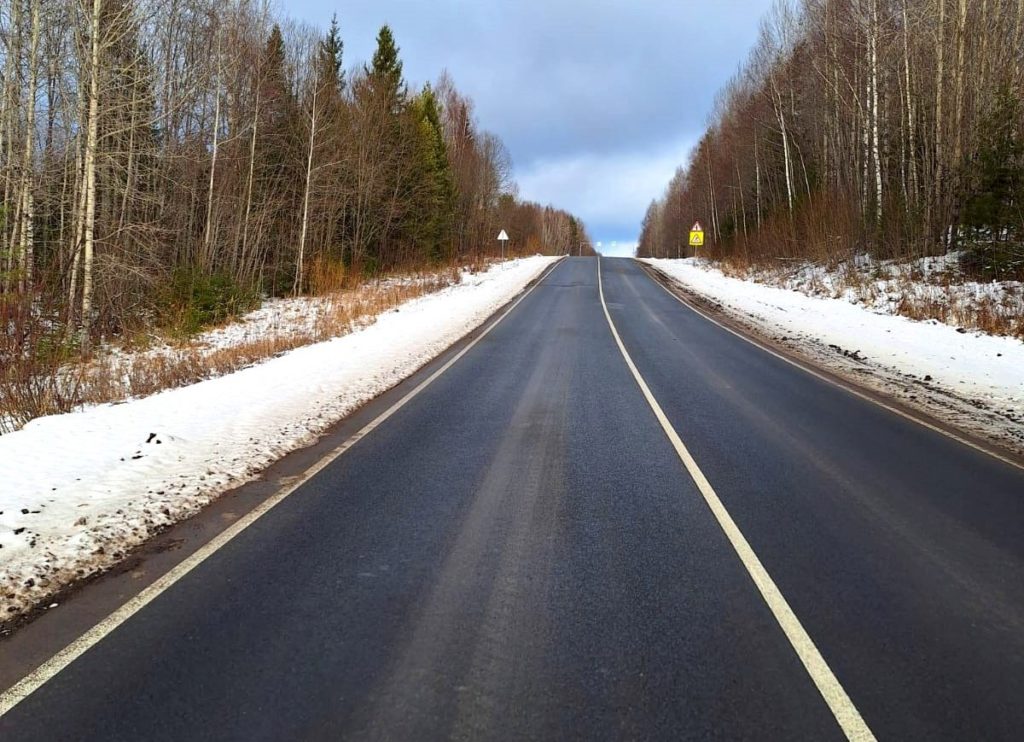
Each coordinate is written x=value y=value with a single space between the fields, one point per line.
x=432 y=219
x=279 y=173
x=327 y=108
x=385 y=72
x=329 y=59
x=172 y=161
x=276 y=91
x=996 y=201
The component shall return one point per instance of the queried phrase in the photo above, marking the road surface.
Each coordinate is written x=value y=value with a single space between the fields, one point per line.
x=520 y=552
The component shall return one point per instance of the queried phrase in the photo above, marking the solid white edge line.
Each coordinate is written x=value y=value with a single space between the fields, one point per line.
x=845 y=386
x=842 y=707
x=39 y=677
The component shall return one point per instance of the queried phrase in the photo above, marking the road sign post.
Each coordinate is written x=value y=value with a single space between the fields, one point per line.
x=696 y=237
x=503 y=238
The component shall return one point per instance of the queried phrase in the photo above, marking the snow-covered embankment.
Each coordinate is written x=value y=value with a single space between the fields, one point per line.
x=971 y=379
x=78 y=490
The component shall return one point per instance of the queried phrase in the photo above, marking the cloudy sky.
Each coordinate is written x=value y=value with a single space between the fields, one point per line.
x=597 y=101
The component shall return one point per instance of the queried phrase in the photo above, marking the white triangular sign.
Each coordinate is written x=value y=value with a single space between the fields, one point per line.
x=697 y=228
x=503 y=237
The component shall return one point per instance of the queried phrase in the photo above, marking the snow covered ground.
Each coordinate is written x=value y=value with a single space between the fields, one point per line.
x=118 y=372
x=78 y=490
x=926 y=288
x=971 y=379
x=307 y=316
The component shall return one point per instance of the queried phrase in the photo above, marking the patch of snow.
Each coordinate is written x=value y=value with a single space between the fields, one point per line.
x=929 y=286
x=78 y=490
x=299 y=317
x=976 y=379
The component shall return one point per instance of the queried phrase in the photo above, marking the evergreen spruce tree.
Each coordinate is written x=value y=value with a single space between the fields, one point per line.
x=994 y=209
x=331 y=119
x=430 y=222
x=999 y=167
x=278 y=188
x=276 y=93
x=385 y=71
x=390 y=139
x=329 y=58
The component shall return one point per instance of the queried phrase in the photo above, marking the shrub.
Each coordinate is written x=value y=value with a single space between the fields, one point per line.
x=994 y=262
x=196 y=300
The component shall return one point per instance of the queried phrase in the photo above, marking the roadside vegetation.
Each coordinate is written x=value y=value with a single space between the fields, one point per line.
x=168 y=166
x=165 y=358
x=874 y=133
x=931 y=288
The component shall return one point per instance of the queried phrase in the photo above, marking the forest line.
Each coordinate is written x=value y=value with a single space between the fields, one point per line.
x=159 y=158
x=888 y=127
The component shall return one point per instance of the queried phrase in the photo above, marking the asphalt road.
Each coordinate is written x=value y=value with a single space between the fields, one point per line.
x=519 y=553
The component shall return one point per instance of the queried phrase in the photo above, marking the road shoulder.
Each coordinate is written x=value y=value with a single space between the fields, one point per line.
x=968 y=420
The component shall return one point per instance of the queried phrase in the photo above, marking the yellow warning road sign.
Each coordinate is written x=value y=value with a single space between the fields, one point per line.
x=697 y=235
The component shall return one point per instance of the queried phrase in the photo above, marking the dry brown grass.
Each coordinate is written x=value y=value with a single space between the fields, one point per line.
x=939 y=296
x=986 y=314
x=39 y=377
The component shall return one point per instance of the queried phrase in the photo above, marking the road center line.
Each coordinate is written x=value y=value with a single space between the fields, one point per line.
x=42 y=674
x=845 y=713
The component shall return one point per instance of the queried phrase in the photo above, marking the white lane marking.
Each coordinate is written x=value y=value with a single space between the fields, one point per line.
x=832 y=691
x=38 y=677
x=835 y=382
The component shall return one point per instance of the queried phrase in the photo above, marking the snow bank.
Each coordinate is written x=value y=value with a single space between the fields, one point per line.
x=281 y=322
x=78 y=490
x=302 y=315
x=932 y=285
x=986 y=369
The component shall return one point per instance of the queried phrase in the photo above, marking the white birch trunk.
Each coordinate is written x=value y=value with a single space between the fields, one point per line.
x=961 y=48
x=11 y=103
x=299 y=267
x=130 y=167
x=911 y=134
x=208 y=231
x=875 y=147
x=786 y=156
x=78 y=199
x=714 y=205
x=743 y=202
x=249 y=180
x=940 y=73
x=90 y=173
x=958 y=138
x=26 y=248
x=757 y=180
